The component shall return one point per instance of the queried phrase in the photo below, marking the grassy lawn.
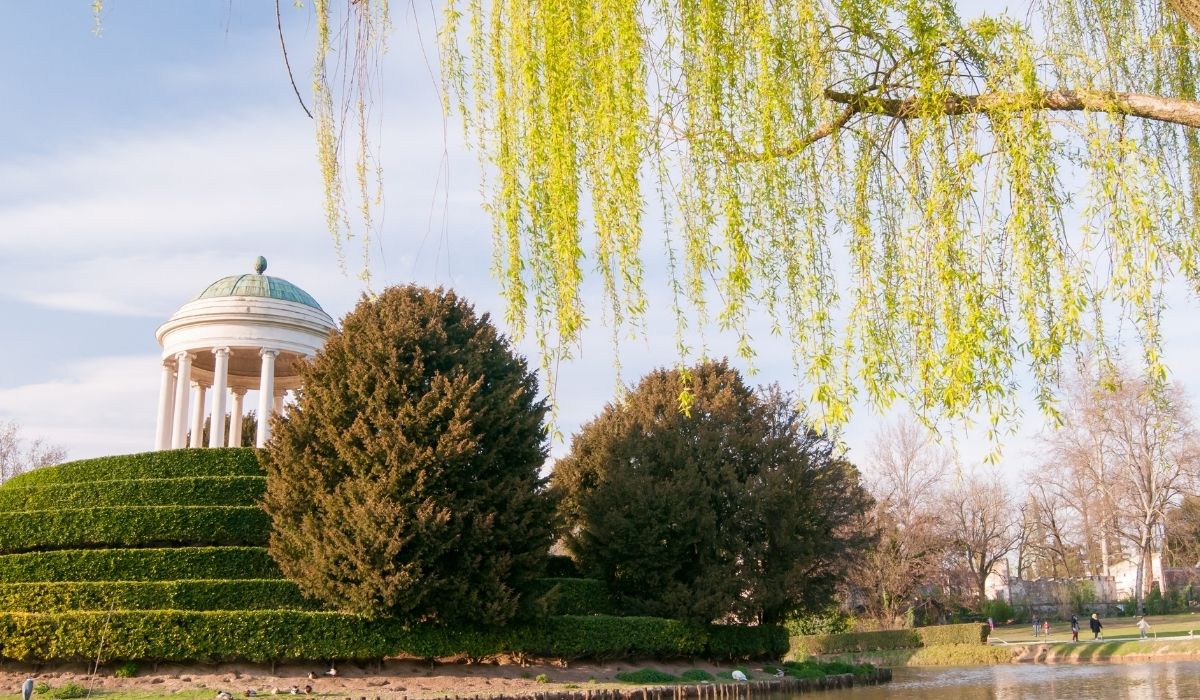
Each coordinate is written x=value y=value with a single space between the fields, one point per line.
x=1114 y=628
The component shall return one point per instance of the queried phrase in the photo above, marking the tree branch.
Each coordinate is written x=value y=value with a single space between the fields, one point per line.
x=1154 y=107
x=1189 y=10
x=286 y=63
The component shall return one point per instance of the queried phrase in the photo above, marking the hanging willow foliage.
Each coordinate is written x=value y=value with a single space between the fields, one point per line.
x=922 y=204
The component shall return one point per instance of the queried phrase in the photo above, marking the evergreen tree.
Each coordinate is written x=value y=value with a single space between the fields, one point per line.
x=736 y=509
x=405 y=479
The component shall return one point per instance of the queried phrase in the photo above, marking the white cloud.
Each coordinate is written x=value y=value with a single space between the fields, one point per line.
x=94 y=407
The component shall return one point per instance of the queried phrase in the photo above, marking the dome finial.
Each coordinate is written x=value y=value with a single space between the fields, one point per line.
x=260 y=264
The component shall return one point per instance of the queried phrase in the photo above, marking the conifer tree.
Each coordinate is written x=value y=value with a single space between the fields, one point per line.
x=738 y=509
x=405 y=480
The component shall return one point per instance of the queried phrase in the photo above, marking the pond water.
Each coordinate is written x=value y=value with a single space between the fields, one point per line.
x=1178 y=679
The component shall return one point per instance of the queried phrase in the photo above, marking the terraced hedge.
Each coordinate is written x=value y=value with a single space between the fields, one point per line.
x=133 y=526
x=156 y=564
x=262 y=636
x=191 y=490
x=168 y=464
x=63 y=596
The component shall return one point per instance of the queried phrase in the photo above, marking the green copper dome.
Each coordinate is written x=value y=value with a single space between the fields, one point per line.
x=258 y=285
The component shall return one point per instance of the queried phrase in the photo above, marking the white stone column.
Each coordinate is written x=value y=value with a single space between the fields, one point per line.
x=266 y=395
x=235 y=417
x=166 y=392
x=197 y=439
x=183 y=378
x=216 y=430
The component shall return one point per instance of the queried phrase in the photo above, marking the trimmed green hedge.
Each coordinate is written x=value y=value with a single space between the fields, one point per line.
x=970 y=633
x=133 y=526
x=62 y=596
x=569 y=596
x=275 y=635
x=159 y=564
x=738 y=642
x=167 y=464
x=966 y=633
x=185 y=491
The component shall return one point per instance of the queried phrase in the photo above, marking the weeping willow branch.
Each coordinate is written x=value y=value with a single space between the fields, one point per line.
x=1168 y=110
x=1189 y=10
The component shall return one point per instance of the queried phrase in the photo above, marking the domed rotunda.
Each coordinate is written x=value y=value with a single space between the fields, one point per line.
x=241 y=333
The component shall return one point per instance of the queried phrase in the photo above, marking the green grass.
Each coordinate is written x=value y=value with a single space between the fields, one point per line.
x=1114 y=627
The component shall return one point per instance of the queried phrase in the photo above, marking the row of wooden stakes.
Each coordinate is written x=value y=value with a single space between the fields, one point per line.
x=701 y=691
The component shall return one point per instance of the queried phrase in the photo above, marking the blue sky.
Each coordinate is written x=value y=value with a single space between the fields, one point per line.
x=139 y=166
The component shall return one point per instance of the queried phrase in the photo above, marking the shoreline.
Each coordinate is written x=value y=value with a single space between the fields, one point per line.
x=1122 y=650
x=409 y=680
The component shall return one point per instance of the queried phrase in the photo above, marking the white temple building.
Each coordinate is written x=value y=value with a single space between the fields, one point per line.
x=241 y=333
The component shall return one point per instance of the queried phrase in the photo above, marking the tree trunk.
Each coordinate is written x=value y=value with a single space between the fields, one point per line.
x=1143 y=545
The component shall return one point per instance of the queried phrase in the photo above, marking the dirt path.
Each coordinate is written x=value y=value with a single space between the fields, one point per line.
x=394 y=679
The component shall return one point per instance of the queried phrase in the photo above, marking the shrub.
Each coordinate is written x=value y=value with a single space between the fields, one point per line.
x=561 y=566
x=569 y=596
x=133 y=526
x=62 y=596
x=646 y=675
x=139 y=564
x=664 y=506
x=967 y=633
x=405 y=481
x=1000 y=611
x=165 y=464
x=856 y=642
x=189 y=491
x=739 y=642
x=41 y=688
x=600 y=636
x=697 y=675
x=803 y=669
x=128 y=669
x=282 y=635
x=70 y=691
x=831 y=620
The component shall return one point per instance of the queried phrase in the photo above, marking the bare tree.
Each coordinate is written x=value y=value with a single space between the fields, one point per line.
x=1152 y=447
x=1124 y=456
x=1054 y=542
x=981 y=516
x=19 y=454
x=905 y=472
x=907 y=469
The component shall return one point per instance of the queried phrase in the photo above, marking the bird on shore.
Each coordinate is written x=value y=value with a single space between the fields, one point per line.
x=738 y=676
x=224 y=695
x=331 y=672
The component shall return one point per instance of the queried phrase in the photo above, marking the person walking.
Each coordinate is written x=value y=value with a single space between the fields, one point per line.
x=1046 y=628
x=1074 y=628
x=1037 y=625
x=1096 y=626
x=1143 y=626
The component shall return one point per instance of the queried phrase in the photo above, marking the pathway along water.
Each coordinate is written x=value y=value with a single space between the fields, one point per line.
x=1177 y=679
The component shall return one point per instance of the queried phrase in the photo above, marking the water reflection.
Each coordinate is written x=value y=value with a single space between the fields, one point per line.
x=1174 y=680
